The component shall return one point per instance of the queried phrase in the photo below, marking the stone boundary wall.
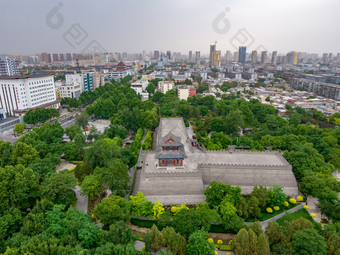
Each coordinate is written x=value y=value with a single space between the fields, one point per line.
x=167 y=173
x=277 y=153
x=244 y=166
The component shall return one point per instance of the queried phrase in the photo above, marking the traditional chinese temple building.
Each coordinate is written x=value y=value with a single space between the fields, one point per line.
x=170 y=152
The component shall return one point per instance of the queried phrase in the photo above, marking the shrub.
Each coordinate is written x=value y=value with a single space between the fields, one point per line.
x=313 y=215
x=215 y=253
x=219 y=242
x=300 y=198
x=210 y=240
x=269 y=210
x=225 y=248
x=306 y=207
x=276 y=208
x=174 y=209
x=292 y=201
x=285 y=203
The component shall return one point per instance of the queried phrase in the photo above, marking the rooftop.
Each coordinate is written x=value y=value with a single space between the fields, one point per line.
x=24 y=76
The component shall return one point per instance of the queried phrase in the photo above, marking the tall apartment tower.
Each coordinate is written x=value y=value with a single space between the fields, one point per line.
x=211 y=56
x=264 y=56
x=242 y=51
x=190 y=54
x=198 y=57
x=156 y=55
x=274 y=58
x=292 y=58
x=235 y=58
x=216 y=58
x=8 y=67
x=254 y=56
x=168 y=54
x=228 y=56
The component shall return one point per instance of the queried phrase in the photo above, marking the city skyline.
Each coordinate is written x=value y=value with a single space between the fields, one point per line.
x=180 y=26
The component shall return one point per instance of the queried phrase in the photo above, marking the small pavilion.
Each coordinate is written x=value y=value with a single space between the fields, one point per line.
x=170 y=152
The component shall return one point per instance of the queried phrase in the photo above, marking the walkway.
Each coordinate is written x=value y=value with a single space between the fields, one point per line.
x=138 y=164
x=82 y=201
x=296 y=208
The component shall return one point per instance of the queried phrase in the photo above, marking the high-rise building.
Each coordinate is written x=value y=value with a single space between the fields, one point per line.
x=330 y=56
x=217 y=58
x=235 y=58
x=324 y=57
x=156 y=55
x=274 y=58
x=68 y=57
x=61 y=57
x=168 y=54
x=20 y=93
x=292 y=58
x=8 y=67
x=338 y=57
x=198 y=57
x=264 y=57
x=211 y=56
x=254 y=56
x=228 y=56
x=190 y=54
x=242 y=51
x=55 y=57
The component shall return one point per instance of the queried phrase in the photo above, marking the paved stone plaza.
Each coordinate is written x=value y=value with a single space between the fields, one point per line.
x=185 y=184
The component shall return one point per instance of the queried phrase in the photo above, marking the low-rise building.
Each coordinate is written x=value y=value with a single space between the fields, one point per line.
x=183 y=92
x=165 y=86
x=139 y=86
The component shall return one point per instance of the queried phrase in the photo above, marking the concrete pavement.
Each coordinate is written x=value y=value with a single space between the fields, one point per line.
x=82 y=201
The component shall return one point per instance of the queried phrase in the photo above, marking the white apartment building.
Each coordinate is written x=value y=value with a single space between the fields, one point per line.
x=8 y=67
x=18 y=94
x=165 y=86
x=183 y=92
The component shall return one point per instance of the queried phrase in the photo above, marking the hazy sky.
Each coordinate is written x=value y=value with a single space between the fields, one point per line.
x=35 y=26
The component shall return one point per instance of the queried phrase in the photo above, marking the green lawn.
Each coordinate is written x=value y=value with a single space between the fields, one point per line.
x=265 y=216
x=302 y=213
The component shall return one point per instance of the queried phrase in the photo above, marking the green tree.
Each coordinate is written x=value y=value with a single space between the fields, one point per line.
x=174 y=242
x=82 y=120
x=156 y=239
x=59 y=187
x=216 y=192
x=115 y=176
x=308 y=241
x=277 y=196
x=24 y=154
x=91 y=186
x=240 y=243
x=19 y=187
x=88 y=234
x=198 y=244
x=72 y=131
x=226 y=209
x=151 y=88
x=186 y=222
x=112 y=209
x=253 y=207
x=19 y=128
x=157 y=210
x=242 y=208
x=262 y=194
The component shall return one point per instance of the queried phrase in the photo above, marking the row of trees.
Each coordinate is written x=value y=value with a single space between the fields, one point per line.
x=37 y=115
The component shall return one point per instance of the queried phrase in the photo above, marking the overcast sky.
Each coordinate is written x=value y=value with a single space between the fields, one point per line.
x=35 y=26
